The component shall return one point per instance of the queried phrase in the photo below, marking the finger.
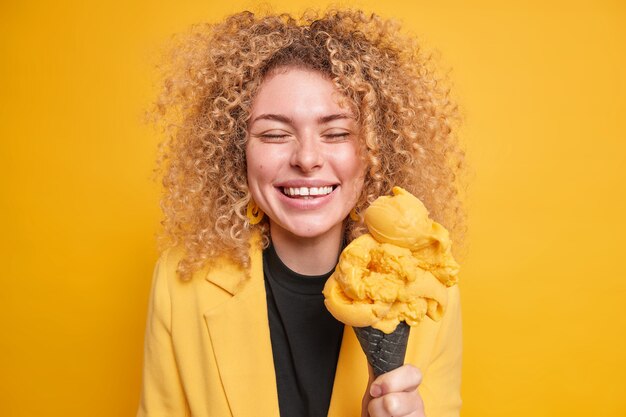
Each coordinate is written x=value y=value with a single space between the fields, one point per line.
x=398 y=404
x=405 y=378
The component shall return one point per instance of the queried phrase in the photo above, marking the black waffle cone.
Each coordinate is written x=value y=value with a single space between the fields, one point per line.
x=385 y=352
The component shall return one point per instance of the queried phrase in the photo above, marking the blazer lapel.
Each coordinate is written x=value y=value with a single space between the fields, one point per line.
x=240 y=337
x=351 y=378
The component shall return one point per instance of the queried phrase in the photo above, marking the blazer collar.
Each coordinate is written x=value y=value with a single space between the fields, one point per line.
x=351 y=378
x=230 y=276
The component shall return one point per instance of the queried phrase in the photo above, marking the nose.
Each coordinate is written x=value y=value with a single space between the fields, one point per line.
x=307 y=155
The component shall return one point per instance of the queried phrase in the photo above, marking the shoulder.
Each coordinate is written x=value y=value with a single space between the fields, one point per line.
x=441 y=384
x=448 y=336
x=166 y=268
x=165 y=279
x=432 y=339
x=223 y=271
x=207 y=287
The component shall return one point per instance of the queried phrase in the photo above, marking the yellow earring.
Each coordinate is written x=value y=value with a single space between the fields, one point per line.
x=254 y=212
x=354 y=216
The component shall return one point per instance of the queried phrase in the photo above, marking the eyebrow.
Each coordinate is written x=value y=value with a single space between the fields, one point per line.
x=330 y=118
x=287 y=120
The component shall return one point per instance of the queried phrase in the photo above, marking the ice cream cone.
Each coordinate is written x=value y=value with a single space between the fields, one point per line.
x=385 y=352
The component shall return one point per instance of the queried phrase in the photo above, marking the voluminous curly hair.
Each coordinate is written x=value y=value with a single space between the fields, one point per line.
x=406 y=118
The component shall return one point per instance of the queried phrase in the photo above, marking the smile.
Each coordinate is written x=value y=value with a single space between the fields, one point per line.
x=307 y=192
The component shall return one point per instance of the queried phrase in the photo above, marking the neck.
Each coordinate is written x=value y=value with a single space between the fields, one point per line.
x=308 y=256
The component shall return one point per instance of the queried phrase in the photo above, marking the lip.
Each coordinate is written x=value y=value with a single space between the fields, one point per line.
x=297 y=183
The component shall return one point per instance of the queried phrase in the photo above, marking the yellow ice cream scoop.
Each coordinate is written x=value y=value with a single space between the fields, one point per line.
x=402 y=219
x=380 y=285
x=398 y=272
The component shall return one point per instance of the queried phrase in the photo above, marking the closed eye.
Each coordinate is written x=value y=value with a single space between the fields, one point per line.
x=337 y=136
x=273 y=137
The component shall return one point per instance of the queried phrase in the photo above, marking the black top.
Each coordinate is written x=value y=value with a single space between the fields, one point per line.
x=305 y=338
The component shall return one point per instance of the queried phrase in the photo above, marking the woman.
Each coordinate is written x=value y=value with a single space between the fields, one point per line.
x=282 y=132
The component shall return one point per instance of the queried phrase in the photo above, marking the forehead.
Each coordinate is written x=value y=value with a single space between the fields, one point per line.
x=293 y=89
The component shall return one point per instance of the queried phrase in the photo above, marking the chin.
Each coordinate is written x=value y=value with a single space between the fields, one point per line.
x=313 y=231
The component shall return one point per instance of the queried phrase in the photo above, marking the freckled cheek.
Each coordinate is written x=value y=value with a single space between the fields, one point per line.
x=350 y=164
x=253 y=167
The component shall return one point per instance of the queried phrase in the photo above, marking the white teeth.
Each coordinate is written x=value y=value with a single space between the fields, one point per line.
x=319 y=191
x=306 y=191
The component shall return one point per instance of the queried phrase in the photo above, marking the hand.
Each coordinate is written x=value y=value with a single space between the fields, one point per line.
x=394 y=394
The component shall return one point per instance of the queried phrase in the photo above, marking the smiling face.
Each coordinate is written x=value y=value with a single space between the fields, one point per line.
x=304 y=169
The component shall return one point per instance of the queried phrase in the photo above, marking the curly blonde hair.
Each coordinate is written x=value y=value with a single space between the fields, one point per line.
x=407 y=121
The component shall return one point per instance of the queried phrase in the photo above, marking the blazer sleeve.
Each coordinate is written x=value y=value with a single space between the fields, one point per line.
x=162 y=393
x=442 y=381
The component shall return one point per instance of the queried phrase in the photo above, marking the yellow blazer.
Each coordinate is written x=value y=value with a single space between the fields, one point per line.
x=208 y=351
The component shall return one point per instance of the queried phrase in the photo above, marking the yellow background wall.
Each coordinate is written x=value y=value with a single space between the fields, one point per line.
x=543 y=89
